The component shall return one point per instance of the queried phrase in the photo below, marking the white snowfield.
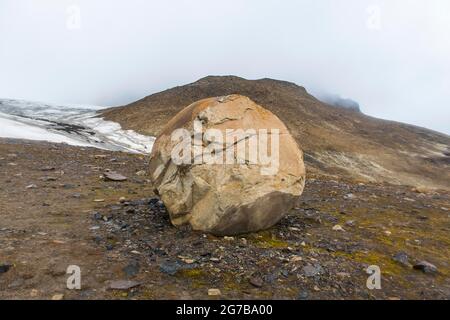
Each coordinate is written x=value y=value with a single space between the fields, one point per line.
x=74 y=125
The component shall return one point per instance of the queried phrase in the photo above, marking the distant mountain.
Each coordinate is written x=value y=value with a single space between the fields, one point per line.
x=338 y=101
x=337 y=141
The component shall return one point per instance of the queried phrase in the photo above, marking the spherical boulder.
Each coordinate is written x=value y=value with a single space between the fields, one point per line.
x=227 y=166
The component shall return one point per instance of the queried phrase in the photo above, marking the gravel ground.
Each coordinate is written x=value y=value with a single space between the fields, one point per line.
x=56 y=210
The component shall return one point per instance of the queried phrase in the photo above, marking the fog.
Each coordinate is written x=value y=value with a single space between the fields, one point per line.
x=392 y=57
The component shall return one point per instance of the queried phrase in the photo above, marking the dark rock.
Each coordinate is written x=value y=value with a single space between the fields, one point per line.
x=303 y=295
x=402 y=258
x=4 y=267
x=97 y=216
x=47 y=168
x=169 y=267
x=271 y=278
x=132 y=269
x=153 y=201
x=139 y=202
x=159 y=252
x=97 y=239
x=426 y=267
x=284 y=273
x=48 y=179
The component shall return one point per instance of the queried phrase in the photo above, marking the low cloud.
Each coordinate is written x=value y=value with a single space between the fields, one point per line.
x=392 y=57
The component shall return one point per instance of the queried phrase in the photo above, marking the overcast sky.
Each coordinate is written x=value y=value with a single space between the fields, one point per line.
x=392 y=56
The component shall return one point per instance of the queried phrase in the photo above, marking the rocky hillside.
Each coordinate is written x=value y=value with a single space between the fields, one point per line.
x=336 y=141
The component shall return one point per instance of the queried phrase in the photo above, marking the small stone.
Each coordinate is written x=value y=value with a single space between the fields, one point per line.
x=296 y=259
x=350 y=223
x=349 y=196
x=122 y=199
x=123 y=284
x=130 y=210
x=47 y=168
x=113 y=176
x=214 y=292
x=34 y=293
x=99 y=200
x=228 y=238
x=58 y=297
x=17 y=283
x=387 y=232
x=256 y=282
x=426 y=267
x=49 y=179
x=31 y=186
x=4 y=267
x=141 y=173
x=312 y=271
x=303 y=295
x=97 y=216
x=343 y=275
x=170 y=268
x=132 y=269
x=186 y=260
x=338 y=228
x=402 y=258
x=94 y=228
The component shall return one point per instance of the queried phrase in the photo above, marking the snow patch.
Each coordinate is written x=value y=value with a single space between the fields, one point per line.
x=74 y=125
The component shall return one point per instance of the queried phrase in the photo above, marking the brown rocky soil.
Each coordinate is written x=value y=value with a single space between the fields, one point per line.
x=336 y=141
x=49 y=219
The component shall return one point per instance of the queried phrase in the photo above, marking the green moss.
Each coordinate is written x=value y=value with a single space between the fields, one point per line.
x=268 y=240
x=191 y=273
